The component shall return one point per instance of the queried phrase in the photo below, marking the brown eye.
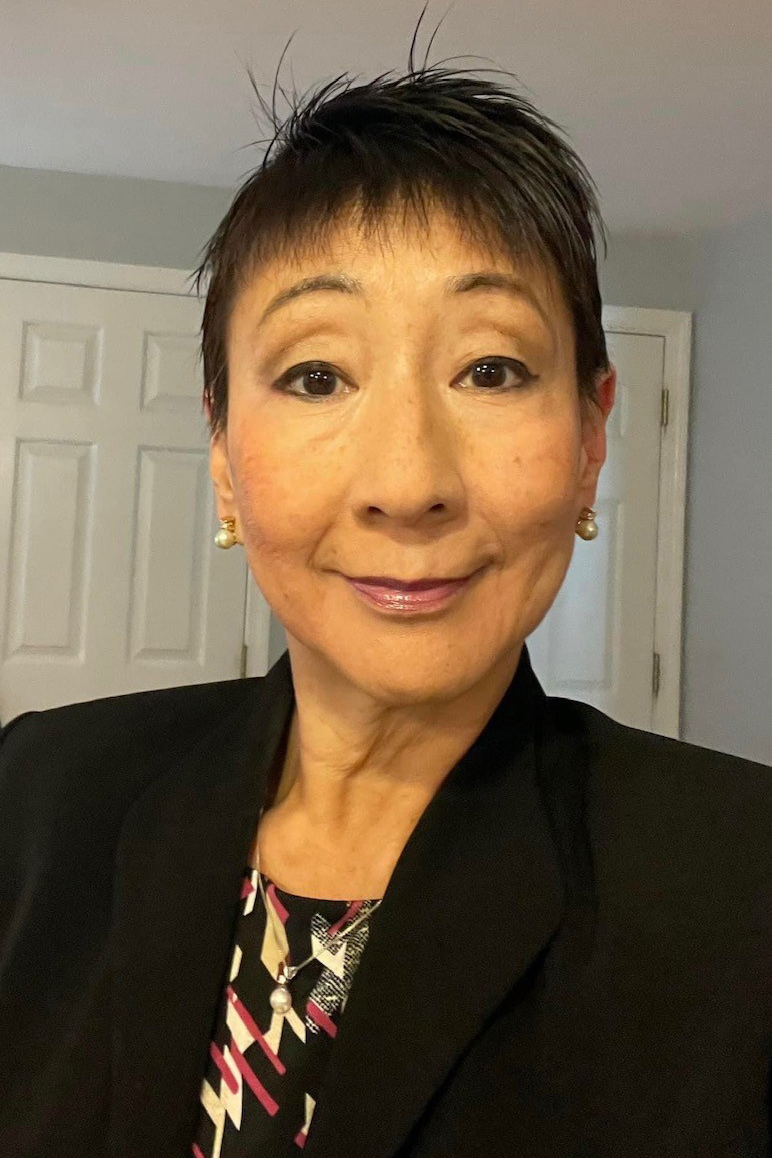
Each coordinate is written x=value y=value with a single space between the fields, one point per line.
x=309 y=380
x=499 y=374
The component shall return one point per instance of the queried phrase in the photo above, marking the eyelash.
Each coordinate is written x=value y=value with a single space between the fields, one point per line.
x=282 y=383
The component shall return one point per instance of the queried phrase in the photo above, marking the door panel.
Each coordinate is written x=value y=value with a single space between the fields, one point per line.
x=109 y=581
x=596 y=643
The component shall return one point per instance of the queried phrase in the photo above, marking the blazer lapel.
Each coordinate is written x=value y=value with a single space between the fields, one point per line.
x=475 y=897
x=178 y=875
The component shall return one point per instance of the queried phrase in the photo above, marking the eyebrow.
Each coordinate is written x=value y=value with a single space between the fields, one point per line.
x=458 y=284
x=493 y=280
x=309 y=285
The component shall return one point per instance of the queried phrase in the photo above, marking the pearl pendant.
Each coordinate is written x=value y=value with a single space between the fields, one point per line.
x=224 y=538
x=281 y=999
x=586 y=527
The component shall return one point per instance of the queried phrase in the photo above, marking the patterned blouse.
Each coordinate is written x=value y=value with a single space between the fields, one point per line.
x=265 y=1069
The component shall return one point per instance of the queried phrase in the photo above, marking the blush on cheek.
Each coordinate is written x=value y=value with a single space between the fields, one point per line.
x=252 y=531
x=274 y=522
x=254 y=482
x=544 y=500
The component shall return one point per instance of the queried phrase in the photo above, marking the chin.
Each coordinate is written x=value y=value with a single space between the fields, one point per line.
x=418 y=669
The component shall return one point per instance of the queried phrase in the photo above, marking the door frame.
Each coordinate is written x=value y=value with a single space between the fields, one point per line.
x=675 y=327
x=147 y=280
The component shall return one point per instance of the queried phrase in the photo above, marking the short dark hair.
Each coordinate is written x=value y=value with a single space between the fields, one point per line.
x=431 y=137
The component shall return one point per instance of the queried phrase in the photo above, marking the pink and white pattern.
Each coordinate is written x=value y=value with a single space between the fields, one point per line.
x=265 y=1070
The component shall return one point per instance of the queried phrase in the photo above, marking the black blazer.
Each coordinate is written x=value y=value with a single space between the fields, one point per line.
x=573 y=957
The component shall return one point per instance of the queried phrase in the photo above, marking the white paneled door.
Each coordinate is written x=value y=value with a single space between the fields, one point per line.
x=598 y=641
x=109 y=582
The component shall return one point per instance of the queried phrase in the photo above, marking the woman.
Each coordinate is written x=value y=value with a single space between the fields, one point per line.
x=390 y=899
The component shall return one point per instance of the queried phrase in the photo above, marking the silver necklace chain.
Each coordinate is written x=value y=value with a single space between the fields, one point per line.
x=281 y=998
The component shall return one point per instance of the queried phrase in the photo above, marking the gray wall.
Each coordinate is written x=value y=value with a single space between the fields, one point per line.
x=723 y=278
x=652 y=271
x=120 y=219
x=729 y=611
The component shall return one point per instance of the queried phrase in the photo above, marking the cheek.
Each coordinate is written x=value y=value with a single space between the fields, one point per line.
x=533 y=480
x=279 y=505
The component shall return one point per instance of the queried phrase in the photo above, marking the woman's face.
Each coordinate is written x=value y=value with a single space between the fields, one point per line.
x=437 y=433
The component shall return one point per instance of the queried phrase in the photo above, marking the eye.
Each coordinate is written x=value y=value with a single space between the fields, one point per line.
x=318 y=378
x=497 y=375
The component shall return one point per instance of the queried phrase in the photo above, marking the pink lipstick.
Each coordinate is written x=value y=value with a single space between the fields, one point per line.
x=408 y=599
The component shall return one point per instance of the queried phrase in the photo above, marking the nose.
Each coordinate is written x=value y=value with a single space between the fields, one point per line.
x=408 y=467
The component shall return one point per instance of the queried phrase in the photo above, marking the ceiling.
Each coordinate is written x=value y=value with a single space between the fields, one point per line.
x=669 y=102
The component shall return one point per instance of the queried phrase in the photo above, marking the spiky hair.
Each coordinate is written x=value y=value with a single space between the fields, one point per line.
x=431 y=137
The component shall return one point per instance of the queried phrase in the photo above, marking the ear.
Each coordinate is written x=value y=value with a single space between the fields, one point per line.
x=220 y=470
x=594 y=417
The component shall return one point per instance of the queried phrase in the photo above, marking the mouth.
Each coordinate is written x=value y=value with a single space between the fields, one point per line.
x=419 y=595
x=405 y=585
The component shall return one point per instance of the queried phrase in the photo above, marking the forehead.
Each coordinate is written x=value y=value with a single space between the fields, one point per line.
x=430 y=256
x=391 y=240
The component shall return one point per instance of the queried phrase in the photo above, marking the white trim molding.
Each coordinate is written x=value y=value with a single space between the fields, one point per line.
x=675 y=326
x=146 y=279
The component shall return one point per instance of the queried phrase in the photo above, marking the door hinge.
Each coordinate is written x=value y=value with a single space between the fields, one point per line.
x=243 y=669
x=665 y=408
x=655 y=674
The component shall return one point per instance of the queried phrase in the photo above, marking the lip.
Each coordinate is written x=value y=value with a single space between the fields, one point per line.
x=407 y=599
x=399 y=585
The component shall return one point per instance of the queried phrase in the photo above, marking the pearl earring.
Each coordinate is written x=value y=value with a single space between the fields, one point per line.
x=226 y=536
x=586 y=527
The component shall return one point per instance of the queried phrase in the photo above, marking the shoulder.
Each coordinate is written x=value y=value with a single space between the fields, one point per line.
x=95 y=758
x=672 y=819
x=632 y=753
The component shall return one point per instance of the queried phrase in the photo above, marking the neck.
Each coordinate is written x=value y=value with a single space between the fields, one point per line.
x=358 y=771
